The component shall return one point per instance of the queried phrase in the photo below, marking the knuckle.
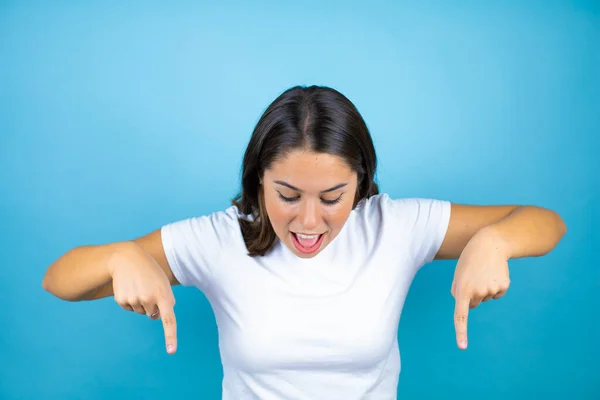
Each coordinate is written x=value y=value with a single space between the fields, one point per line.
x=161 y=292
x=168 y=301
x=460 y=317
x=134 y=301
x=170 y=334
x=146 y=299
x=122 y=301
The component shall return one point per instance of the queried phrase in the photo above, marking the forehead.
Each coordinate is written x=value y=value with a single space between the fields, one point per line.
x=311 y=171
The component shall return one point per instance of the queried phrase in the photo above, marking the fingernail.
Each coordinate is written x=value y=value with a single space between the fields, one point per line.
x=170 y=348
x=463 y=344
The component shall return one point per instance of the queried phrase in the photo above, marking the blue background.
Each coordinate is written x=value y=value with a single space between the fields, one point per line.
x=118 y=118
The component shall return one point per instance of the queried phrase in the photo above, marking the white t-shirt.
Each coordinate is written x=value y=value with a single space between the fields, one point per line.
x=317 y=328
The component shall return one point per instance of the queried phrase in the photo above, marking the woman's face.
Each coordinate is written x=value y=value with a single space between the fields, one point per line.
x=308 y=197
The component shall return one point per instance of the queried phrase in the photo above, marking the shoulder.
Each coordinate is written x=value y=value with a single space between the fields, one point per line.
x=195 y=245
x=219 y=226
x=403 y=212
x=402 y=206
x=418 y=223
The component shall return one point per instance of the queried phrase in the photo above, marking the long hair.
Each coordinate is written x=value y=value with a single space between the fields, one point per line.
x=315 y=118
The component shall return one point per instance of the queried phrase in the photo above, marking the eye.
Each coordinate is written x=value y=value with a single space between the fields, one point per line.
x=332 y=202
x=288 y=199
x=295 y=199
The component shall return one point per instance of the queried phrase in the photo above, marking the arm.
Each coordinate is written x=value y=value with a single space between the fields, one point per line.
x=484 y=238
x=524 y=231
x=136 y=270
x=85 y=272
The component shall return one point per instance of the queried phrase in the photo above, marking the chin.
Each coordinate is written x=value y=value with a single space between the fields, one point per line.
x=304 y=255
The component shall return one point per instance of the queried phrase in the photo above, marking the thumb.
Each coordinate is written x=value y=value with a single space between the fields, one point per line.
x=461 y=314
x=167 y=316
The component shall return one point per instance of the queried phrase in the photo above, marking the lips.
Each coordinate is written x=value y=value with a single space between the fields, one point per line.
x=307 y=244
x=307 y=240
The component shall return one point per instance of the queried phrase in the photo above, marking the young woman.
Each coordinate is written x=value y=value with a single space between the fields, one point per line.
x=308 y=270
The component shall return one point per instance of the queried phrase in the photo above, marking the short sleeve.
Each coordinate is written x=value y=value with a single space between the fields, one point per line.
x=424 y=223
x=194 y=247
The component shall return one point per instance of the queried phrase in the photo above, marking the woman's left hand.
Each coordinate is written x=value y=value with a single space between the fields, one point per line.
x=481 y=274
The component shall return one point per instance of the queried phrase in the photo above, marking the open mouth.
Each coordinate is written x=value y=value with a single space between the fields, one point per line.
x=307 y=243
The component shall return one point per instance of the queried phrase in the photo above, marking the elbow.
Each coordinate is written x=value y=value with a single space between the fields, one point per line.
x=49 y=285
x=558 y=227
x=561 y=226
x=47 y=282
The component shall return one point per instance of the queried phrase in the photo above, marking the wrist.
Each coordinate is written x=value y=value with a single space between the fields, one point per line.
x=118 y=254
x=495 y=238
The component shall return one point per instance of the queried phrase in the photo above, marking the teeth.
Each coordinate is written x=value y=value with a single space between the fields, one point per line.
x=306 y=236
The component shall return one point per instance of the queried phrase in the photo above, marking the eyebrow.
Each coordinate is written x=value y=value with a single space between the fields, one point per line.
x=336 y=187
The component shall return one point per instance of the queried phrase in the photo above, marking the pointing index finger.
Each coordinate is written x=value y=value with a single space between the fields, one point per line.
x=167 y=316
x=461 y=314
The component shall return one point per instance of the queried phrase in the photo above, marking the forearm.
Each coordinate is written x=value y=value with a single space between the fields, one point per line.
x=82 y=270
x=528 y=231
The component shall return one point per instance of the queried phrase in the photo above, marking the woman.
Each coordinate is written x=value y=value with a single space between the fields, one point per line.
x=308 y=270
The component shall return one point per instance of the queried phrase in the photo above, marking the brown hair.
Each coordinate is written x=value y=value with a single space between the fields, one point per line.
x=315 y=118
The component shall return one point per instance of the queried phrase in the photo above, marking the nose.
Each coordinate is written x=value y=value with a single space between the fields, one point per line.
x=309 y=216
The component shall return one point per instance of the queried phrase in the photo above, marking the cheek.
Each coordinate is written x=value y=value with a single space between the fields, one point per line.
x=278 y=213
x=337 y=218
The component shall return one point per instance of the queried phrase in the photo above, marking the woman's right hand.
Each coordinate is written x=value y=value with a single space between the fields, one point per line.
x=140 y=285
